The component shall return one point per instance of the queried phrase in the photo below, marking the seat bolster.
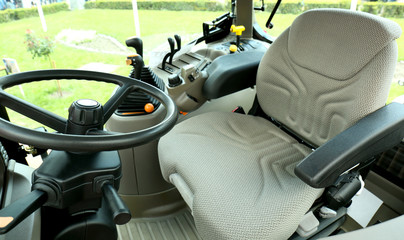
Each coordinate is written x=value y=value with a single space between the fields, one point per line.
x=183 y=188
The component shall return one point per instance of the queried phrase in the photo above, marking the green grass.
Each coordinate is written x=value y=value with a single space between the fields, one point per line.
x=156 y=26
x=46 y=95
x=400 y=41
x=395 y=91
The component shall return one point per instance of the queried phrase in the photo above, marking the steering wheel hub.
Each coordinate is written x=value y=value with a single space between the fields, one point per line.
x=84 y=115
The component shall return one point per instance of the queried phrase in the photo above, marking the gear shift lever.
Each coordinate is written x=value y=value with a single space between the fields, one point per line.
x=136 y=43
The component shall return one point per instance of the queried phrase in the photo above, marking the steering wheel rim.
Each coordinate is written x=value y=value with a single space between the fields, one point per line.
x=97 y=140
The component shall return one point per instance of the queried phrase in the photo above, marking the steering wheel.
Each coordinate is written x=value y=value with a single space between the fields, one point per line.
x=92 y=141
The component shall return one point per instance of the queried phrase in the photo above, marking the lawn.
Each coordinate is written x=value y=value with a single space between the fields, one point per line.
x=115 y=23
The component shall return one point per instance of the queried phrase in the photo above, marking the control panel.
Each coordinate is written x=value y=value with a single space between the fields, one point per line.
x=185 y=74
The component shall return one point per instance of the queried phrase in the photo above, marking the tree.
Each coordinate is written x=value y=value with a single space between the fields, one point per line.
x=41 y=47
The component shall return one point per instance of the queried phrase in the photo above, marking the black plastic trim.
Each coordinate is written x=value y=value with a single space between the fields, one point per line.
x=231 y=73
x=260 y=34
x=377 y=132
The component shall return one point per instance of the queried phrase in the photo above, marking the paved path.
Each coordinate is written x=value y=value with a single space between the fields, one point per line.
x=99 y=67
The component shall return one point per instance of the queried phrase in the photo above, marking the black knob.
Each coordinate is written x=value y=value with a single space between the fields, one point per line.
x=84 y=114
x=172 y=44
x=119 y=211
x=136 y=43
x=178 y=40
x=174 y=80
x=137 y=63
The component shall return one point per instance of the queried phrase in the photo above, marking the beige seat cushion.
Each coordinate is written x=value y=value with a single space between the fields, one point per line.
x=239 y=171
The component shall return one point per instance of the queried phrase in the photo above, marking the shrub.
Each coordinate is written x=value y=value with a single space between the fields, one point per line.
x=290 y=8
x=5 y=15
x=37 y=46
x=20 y=13
x=172 y=5
x=371 y=7
x=344 y=5
x=393 y=10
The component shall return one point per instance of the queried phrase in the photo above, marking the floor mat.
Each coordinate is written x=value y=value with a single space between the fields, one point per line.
x=178 y=226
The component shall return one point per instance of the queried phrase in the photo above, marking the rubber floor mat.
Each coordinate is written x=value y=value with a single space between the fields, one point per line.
x=178 y=226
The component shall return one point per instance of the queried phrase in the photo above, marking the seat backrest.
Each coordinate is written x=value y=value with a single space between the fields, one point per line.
x=11 y=65
x=330 y=68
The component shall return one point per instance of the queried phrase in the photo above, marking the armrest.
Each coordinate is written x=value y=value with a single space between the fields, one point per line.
x=232 y=73
x=375 y=133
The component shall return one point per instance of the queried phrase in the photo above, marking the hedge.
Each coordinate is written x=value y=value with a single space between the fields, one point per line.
x=289 y=7
x=20 y=13
x=385 y=10
x=160 y=5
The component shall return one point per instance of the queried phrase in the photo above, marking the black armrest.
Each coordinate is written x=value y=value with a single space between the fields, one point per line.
x=377 y=132
x=232 y=73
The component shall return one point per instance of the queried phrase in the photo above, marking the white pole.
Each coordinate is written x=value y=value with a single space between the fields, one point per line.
x=136 y=18
x=354 y=3
x=41 y=16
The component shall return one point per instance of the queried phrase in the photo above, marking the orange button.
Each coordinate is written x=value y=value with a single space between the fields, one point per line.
x=149 y=108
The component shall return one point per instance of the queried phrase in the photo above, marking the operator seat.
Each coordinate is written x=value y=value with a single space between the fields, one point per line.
x=329 y=69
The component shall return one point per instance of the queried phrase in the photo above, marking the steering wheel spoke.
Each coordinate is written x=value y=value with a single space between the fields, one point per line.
x=33 y=112
x=113 y=103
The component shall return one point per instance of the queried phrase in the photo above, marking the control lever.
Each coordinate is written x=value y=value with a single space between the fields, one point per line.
x=119 y=211
x=136 y=61
x=172 y=45
x=238 y=30
x=136 y=43
x=168 y=55
x=233 y=8
x=14 y=213
x=173 y=50
x=178 y=41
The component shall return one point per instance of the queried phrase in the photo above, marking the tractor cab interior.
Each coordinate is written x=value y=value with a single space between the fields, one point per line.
x=166 y=158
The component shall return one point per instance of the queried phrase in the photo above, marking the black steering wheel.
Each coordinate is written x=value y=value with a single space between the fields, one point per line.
x=92 y=141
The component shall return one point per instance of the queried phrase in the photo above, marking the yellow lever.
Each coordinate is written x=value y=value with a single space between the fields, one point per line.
x=237 y=29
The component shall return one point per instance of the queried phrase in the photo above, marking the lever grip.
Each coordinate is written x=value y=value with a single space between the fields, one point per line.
x=136 y=43
x=178 y=40
x=172 y=44
x=14 y=213
x=172 y=50
x=119 y=210
x=138 y=65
